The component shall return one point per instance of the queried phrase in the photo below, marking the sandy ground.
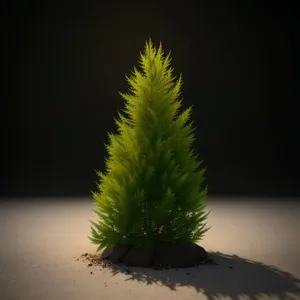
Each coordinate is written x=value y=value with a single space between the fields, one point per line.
x=258 y=245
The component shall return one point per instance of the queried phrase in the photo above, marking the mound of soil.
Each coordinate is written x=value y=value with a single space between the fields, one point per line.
x=162 y=255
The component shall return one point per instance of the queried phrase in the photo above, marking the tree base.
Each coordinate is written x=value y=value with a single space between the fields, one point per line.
x=162 y=255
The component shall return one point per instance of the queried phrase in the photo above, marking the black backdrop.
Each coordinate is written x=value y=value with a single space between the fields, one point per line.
x=67 y=61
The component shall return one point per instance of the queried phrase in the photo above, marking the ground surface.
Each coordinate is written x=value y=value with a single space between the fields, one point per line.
x=42 y=243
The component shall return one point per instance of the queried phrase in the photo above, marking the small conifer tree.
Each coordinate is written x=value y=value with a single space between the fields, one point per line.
x=152 y=189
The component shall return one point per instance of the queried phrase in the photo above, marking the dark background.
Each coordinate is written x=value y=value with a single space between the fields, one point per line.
x=66 y=62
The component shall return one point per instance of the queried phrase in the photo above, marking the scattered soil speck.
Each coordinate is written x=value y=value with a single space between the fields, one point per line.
x=94 y=260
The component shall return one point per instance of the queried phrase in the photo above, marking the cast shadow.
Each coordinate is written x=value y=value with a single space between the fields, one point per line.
x=234 y=278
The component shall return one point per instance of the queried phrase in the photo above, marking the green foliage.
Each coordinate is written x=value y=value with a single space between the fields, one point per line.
x=152 y=190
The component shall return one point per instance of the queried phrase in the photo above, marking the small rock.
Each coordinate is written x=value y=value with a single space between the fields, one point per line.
x=91 y=272
x=106 y=253
x=187 y=273
x=139 y=257
x=118 y=253
x=231 y=267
